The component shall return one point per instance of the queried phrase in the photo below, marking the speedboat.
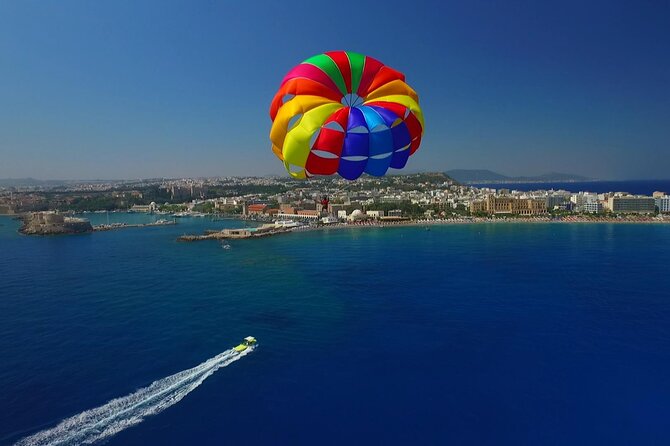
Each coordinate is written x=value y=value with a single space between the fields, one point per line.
x=248 y=342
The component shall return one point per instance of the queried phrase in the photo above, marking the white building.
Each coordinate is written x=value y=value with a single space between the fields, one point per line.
x=593 y=207
x=375 y=214
x=582 y=198
x=356 y=215
x=663 y=203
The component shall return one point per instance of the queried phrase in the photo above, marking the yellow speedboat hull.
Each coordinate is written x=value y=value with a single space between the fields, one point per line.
x=249 y=342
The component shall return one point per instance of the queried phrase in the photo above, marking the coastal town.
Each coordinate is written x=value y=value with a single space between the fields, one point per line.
x=426 y=197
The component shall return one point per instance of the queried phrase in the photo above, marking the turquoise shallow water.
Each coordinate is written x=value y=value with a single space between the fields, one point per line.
x=472 y=334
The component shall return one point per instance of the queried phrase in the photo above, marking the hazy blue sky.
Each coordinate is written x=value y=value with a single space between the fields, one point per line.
x=128 y=89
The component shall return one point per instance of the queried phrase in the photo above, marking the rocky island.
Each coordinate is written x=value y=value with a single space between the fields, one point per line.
x=52 y=223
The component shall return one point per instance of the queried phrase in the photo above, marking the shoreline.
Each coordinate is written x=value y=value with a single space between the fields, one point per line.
x=215 y=235
x=220 y=235
x=477 y=221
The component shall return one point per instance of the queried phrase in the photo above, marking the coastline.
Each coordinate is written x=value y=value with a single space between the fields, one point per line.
x=219 y=235
x=425 y=223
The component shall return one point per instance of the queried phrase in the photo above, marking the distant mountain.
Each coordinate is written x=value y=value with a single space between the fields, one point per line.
x=470 y=176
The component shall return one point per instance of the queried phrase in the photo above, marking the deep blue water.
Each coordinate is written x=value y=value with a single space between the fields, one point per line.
x=486 y=334
x=641 y=187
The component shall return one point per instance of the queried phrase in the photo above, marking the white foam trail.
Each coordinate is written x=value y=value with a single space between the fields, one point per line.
x=118 y=414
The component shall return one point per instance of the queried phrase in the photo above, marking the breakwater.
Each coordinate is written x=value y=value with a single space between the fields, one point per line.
x=109 y=227
x=244 y=233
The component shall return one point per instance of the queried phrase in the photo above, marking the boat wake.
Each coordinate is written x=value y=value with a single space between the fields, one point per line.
x=118 y=414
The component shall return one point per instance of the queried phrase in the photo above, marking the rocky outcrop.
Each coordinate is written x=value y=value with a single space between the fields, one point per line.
x=51 y=223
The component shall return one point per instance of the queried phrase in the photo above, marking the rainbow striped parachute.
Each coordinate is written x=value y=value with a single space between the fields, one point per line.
x=346 y=113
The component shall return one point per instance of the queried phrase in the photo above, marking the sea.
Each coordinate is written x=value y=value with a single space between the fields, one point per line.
x=472 y=334
x=636 y=187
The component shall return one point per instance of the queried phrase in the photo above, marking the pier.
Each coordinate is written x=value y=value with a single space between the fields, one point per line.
x=109 y=227
x=244 y=233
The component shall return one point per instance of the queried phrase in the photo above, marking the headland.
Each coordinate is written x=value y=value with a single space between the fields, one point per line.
x=52 y=223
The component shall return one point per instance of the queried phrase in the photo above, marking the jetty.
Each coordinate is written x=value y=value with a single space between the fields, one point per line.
x=111 y=226
x=243 y=233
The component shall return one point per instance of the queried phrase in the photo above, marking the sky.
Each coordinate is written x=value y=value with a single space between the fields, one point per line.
x=128 y=89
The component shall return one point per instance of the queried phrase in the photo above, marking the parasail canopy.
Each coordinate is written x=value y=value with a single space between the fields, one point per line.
x=344 y=113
